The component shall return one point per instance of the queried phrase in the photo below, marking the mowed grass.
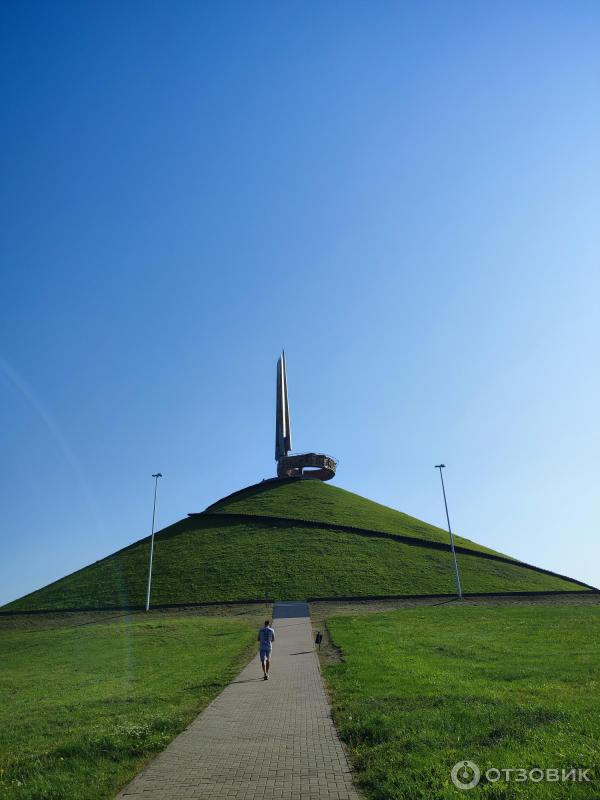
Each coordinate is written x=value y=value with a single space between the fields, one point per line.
x=506 y=687
x=211 y=562
x=82 y=708
x=320 y=502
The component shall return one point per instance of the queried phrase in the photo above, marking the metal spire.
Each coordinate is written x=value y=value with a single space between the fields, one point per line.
x=283 y=431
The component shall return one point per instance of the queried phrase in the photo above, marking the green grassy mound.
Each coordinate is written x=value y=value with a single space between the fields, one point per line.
x=204 y=560
x=509 y=687
x=314 y=501
x=83 y=707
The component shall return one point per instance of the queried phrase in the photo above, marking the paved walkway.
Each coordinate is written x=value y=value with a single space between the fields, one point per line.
x=259 y=739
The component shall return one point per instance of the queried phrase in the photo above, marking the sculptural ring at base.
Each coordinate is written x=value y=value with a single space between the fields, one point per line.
x=307 y=465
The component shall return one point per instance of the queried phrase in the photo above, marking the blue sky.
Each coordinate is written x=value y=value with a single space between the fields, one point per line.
x=404 y=195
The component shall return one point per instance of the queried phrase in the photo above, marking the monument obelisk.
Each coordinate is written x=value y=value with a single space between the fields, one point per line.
x=305 y=465
x=283 y=431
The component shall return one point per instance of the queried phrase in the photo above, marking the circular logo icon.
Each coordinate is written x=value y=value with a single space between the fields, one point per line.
x=465 y=774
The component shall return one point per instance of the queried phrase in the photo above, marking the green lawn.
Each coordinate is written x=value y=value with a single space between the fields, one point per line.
x=212 y=562
x=320 y=502
x=82 y=708
x=506 y=687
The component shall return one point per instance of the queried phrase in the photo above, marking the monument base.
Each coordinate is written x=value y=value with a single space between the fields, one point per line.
x=307 y=465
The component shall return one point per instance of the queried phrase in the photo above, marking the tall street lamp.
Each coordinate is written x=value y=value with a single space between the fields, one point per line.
x=458 y=589
x=156 y=476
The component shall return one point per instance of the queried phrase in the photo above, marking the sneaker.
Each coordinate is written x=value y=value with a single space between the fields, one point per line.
x=265 y=677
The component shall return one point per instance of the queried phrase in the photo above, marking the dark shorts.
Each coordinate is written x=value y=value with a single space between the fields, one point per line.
x=265 y=653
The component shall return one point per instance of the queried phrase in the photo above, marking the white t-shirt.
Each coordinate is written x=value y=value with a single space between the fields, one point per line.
x=266 y=637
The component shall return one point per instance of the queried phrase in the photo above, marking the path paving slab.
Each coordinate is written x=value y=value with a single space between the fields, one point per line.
x=259 y=739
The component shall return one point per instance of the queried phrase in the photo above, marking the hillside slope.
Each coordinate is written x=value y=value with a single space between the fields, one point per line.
x=314 y=501
x=216 y=557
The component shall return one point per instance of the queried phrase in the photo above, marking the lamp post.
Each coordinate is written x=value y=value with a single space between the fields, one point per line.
x=156 y=476
x=458 y=589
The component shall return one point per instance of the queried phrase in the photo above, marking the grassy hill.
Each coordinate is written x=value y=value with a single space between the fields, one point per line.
x=313 y=501
x=284 y=554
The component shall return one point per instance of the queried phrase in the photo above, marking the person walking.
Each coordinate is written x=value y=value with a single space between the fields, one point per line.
x=266 y=637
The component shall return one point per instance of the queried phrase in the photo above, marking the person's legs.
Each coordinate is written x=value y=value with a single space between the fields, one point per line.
x=264 y=662
x=267 y=663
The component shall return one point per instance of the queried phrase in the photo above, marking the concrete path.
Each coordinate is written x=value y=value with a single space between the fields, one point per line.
x=259 y=739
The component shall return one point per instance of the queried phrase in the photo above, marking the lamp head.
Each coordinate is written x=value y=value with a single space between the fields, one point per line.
x=157 y=475
x=440 y=466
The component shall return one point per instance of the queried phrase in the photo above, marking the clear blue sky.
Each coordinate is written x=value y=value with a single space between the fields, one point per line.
x=404 y=195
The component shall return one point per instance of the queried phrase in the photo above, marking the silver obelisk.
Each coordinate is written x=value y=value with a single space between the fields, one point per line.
x=283 y=431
